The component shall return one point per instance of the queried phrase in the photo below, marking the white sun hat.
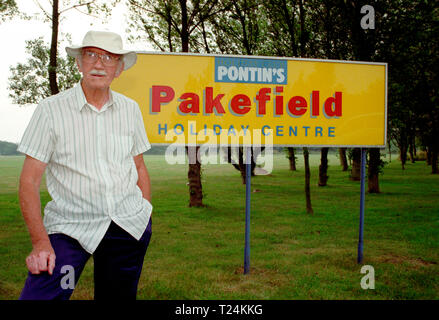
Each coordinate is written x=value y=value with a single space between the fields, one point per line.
x=108 y=41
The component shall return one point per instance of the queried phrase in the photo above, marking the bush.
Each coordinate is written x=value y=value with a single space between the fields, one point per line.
x=420 y=156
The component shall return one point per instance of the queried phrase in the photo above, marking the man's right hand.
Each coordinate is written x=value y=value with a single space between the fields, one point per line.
x=42 y=258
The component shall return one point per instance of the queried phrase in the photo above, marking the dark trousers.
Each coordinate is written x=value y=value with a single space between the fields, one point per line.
x=118 y=262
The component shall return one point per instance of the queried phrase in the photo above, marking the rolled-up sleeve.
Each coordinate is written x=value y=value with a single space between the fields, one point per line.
x=141 y=142
x=37 y=140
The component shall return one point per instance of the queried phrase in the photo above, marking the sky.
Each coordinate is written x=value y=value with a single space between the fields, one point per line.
x=14 y=33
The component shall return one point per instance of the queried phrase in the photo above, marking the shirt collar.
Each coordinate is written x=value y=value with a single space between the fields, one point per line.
x=82 y=101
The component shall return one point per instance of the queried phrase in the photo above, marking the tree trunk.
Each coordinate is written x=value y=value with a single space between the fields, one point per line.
x=241 y=163
x=434 y=160
x=343 y=159
x=414 y=147
x=194 y=177
x=292 y=159
x=373 y=170
x=356 y=165
x=403 y=155
x=53 y=49
x=253 y=162
x=307 y=181
x=290 y=22
x=194 y=172
x=428 y=156
x=168 y=20
x=412 y=151
x=390 y=152
x=206 y=44
x=184 y=26
x=303 y=39
x=240 y=166
x=323 y=168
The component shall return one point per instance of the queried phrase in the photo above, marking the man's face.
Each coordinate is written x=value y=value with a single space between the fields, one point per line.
x=99 y=68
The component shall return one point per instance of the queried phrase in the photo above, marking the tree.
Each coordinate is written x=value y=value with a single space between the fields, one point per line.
x=426 y=70
x=373 y=171
x=171 y=24
x=291 y=158
x=364 y=44
x=331 y=44
x=356 y=164
x=54 y=16
x=410 y=46
x=8 y=148
x=282 y=28
x=343 y=159
x=307 y=181
x=45 y=73
x=183 y=21
x=29 y=82
x=304 y=53
x=237 y=28
x=8 y=9
x=323 y=168
x=238 y=152
x=288 y=34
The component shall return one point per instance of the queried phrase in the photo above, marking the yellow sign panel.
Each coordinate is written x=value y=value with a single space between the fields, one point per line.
x=242 y=100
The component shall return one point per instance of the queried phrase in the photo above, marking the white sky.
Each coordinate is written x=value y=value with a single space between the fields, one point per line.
x=14 y=33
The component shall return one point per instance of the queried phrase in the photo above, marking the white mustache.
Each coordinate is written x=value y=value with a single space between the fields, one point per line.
x=95 y=72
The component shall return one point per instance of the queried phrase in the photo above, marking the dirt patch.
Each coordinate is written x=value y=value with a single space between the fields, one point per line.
x=416 y=262
x=254 y=271
x=261 y=172
x=423 y=262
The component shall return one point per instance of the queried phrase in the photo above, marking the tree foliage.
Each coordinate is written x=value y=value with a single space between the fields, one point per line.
x=238 y=27
x=411 y=47
x=8 y=148
x=54 y=16
x=46 y=73
x=29 y=81
x=173 y=25
x=8 y=9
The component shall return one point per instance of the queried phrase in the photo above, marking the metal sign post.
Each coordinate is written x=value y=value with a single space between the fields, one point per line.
x=362 y=196
x=247 y=210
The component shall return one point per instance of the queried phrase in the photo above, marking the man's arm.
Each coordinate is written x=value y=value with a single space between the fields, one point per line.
x=143 y=181
x=42 y=257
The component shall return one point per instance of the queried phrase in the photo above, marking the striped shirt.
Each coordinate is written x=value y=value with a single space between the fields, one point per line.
x=91 y=175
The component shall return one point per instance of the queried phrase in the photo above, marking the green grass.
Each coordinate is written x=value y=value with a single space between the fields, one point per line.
x=198 y=253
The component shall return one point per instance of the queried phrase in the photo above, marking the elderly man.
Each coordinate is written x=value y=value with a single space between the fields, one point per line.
x=89 y=140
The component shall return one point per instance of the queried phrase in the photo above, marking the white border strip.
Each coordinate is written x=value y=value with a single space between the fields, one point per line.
x=259 y=57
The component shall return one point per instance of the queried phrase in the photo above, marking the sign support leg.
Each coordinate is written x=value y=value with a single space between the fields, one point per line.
x=247 y=210
x=362 y=196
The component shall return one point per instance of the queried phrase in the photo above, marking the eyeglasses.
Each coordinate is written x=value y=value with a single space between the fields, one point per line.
x=107 y=60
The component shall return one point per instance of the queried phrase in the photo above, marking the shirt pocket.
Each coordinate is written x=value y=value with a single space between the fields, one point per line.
x=120 y=147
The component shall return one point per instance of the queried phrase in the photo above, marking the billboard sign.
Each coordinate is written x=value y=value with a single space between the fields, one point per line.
x=242 y=100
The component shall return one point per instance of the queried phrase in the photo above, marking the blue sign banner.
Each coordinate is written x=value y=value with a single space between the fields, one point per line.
x=249 y=70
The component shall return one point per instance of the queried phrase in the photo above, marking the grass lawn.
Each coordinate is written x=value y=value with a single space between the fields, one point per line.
x=198 y=253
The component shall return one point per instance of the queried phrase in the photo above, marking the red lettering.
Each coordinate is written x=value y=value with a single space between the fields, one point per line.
x=315 y=103
x=240 y=104
x=279 y=102
x=191 y=104
x=335 y=111
x=297 y=106
x=262 y=98
x=211 y=103
x=161 y=95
